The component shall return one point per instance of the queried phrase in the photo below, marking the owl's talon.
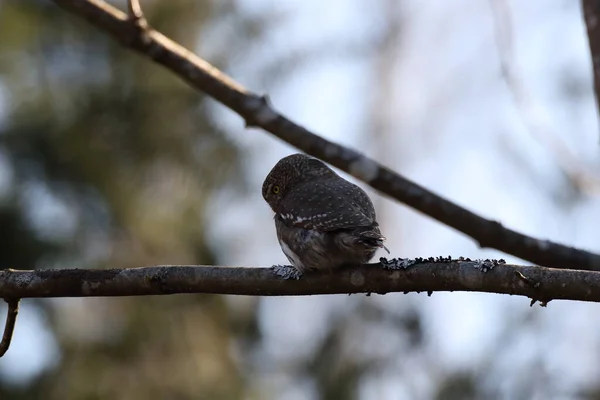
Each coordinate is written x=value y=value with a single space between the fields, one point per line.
x=396 y=263
x=286 y=272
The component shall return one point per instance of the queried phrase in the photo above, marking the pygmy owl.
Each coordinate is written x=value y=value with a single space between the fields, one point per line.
x=322 y=220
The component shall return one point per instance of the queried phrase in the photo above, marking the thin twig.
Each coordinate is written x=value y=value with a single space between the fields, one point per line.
x=136 y=15
x=257 y=112
x=533 y=116
x=9 y=327
x=591 y=14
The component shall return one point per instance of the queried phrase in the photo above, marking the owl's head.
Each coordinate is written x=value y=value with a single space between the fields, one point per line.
x=289 y=172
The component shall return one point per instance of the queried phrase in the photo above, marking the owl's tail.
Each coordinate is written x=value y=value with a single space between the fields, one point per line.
x=372 y=238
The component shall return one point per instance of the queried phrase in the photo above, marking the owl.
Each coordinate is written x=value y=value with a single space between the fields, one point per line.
x=323 y=222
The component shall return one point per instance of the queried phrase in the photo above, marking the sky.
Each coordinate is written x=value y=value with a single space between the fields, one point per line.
x=457 y=126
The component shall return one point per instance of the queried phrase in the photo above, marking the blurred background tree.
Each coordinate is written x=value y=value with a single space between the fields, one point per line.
x=109 y=161
x=106 y=160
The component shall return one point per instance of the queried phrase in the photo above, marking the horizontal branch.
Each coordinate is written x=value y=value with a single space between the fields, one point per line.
x=538 y=283
x=256 y=111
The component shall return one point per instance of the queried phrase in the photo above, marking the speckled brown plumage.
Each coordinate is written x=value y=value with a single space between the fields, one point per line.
x=322 y=220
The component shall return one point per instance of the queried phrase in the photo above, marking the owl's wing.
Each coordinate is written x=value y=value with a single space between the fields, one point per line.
x=327 y=205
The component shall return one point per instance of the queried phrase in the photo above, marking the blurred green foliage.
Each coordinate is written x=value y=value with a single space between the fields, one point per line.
x=130 y=156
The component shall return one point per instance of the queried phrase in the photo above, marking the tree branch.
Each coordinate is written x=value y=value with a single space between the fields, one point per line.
x=256 y=111
x=9 y=325
x=538 y=283
x=591 y=15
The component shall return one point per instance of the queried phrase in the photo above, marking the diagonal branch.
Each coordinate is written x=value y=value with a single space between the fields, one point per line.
x=538 y=283
x=256 y=111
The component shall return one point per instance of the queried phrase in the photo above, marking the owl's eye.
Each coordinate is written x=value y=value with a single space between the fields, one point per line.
x=275 y=189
